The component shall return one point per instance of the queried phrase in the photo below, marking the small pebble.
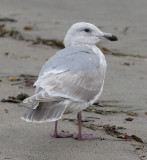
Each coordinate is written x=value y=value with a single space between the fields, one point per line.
x=129 y=119
x=126 y=64
x=6 y=53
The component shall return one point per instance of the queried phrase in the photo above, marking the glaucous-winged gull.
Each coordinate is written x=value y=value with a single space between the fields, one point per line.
x=71 y=80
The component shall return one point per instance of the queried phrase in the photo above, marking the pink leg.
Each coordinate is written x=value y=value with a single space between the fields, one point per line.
x=81 y=136
x=55 y=134
x=79 y=117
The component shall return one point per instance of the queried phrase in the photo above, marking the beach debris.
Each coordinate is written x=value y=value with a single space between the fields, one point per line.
x=11 y=99
x=129 y=119
x=25 y=80
x=35 y=42
x=132 y=113
x=29 y=83
x=119 y=54
x=113 y=131
x=13 y=78
x=108 y=103
x=22 y=96
x=93 y=117
x=49 y=42
x=137 y=139
x=87 y=120
x=126 y=136
x=2 y=26
x=126 y=64
x=145 y=113
x=28 y=79
x=13 y=33
x=28 y=28
x=102 y=112
x=138 y=147
x=91 y=126
x=18 y=99
x=105 y=50
x=69 y=119
x=7 y=158
x=0 y=80
x=5 y=19
x=75 y=120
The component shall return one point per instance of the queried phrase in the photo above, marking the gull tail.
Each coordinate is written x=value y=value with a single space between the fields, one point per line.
x=45 y=112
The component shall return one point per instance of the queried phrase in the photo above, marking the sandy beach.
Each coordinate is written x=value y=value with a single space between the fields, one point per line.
x=31 y=31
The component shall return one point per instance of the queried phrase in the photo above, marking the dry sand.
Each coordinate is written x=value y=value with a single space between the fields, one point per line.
x=125 y=85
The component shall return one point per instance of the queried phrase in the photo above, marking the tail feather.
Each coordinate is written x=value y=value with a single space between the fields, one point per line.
x=45 y=112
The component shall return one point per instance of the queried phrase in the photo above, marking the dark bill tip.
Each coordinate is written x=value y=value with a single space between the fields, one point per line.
x=111 y=38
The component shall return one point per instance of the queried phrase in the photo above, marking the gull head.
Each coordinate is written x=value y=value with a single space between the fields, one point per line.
x=83 y=33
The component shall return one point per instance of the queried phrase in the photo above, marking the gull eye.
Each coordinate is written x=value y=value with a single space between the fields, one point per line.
x=87 y=30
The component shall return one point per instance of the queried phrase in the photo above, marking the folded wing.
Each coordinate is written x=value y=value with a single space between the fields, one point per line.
x=73 y=74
